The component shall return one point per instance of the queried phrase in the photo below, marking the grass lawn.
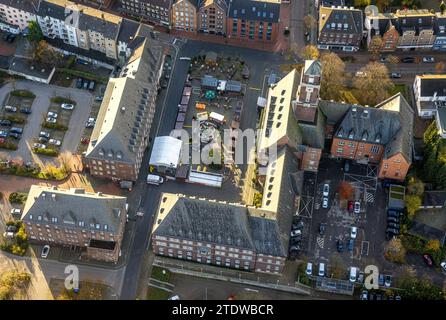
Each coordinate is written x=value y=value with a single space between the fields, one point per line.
x=157 y=273
x=157 y=294
x=400 y=88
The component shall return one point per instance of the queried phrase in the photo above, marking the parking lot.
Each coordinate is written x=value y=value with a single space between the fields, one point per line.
x=368 y=243
x=74 y=120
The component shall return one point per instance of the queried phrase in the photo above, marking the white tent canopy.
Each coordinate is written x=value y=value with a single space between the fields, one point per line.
x=166 y=152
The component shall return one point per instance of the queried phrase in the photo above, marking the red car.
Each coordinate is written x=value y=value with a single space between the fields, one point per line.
x=428 y=259
x=2 y=140
x=350 y=206
x=85 y=140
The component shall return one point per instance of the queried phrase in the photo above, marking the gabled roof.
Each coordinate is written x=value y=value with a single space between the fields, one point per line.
x=340 y=20
x=219 y=3
x=116 y=135
x=403 y=140
x=313 y=68
x=254 y=10
x=69 y=207
x=24 y=5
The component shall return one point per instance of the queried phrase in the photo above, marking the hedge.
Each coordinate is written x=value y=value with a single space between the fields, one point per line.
x=22 y=94
x=14 y=118
x=46 y=152
x=55 y=126
x=82 y=74
x=62 y=100
x=8 y=145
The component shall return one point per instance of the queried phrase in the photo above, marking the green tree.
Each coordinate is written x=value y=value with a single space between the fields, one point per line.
x=375 y=45
x=421 y=289
x=333 y=76
x=362 y=3
x=413 y=203
x=43 y=53
x=34 y=32
x=415 y=186
x=310 y=22
x=395 y=251
x=442 y=7
x=374 y=86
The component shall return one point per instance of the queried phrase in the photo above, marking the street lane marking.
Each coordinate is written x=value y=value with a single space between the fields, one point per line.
x=252 y=88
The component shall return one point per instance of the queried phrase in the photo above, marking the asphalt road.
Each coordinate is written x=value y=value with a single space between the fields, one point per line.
x=146 y=197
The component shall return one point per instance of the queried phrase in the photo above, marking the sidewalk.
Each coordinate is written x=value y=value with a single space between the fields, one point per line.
x=230 y=275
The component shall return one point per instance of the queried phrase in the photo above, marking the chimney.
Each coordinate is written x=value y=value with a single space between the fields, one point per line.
x=53 y=196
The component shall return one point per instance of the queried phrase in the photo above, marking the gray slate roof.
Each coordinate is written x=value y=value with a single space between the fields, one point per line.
x=128 y=30
x=122 y=109
x=351 y=19
x=254 y=10
x=25 y=5
x=70 y=207
x=427 y=232
x=28 y=67
x=47 y=9
x=334 y=111
x=107 y=28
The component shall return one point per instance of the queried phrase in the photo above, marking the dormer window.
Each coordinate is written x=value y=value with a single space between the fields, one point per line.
x=365 y=136
x=351 y=134
x=98 y=226
x=81 y=224
x=341 y=133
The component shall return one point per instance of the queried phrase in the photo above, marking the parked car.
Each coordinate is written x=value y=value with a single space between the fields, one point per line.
x=361 y=277
x=99 y=98
x=394 y=213
x=322 y=228
x=428 y=59
x=428 y=260
x=325 y=203
x=2 y=140
x=321 y=272
x=45 y=251
x=382 y=59
x=340 y=245
x=353 y=274
x=353 y=232
x=91 y=85
x=350 y=206
x=443 y=265
x=309 y=270
x=326 y=190
x=67 y=106
x=39 y=146
x=408 y=60
x=51 y=120
x=296 y=233
x=44 y=134
x=11 y=229
x=4 y=134
x=16 y=130
x=55 y=142
x=16 y=211
x=15 y=135
x=11 y=37
x=393 y=225
x=85 y=140
x=79 y=83
x=297 y=225
x=393 y=219
x=381 y=280
x=351 y=244
x=393 y=231
x=43 y=139
x=52 y=114
x=85 y=85
x=388 y=280
x=11 y=109
x=379 y=296
x=372 y=296
x=360 y=74
x=5 y=123
x=395 y=75
x=25 y=110
x=357 y=207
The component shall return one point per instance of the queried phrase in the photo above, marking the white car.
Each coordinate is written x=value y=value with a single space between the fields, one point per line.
x=16 y=211
x=45 y=251
x=443 y=265
x=39 y=146
x=295 y=233
x=51 y=120
x=55 y=142
x=325 y=203
x=185 y=58
x=176 y=297
x=309 y=270
x=360 y=74
x=52 y=114
x=353 y=274
x=429 y=59
x=354 y=232
x=67 y=106
x=326 y=190
x=357 y=207
x=140 y=214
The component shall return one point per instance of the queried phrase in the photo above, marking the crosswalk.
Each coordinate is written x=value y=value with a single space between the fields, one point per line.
x=369 y=197
x=320 y=242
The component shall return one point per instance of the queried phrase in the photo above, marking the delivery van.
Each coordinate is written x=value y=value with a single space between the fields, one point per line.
x=154 y=179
